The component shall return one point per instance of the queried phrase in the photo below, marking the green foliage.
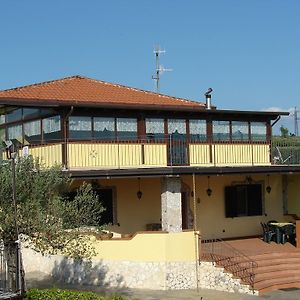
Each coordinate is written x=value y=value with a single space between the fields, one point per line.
x=48 y=222
x=284 y=131
x=59 y=294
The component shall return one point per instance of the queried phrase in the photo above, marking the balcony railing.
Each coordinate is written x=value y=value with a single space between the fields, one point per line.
x=286 y=151
x=163 y=152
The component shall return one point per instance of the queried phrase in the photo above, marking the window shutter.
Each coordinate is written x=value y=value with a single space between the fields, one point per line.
x=230 y=202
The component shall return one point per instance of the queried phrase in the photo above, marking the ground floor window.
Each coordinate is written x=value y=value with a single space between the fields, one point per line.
x=243 y=200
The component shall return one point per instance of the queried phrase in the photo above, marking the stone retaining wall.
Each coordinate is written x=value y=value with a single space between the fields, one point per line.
x=131 y=274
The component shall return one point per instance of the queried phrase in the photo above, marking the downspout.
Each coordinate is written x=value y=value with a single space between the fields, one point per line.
x=196 y=236
x=277 y=119
x=65 y=136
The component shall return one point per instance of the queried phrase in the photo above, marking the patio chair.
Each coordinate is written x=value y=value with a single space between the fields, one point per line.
x=268 y=232
x=288 y=233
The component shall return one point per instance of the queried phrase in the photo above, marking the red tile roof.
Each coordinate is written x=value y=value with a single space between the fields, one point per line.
x=78 y=90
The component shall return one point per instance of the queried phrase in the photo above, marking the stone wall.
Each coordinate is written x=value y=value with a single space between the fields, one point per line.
x=212 y=277
x=130 y=274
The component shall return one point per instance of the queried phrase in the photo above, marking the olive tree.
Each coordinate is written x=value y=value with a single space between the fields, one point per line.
x=45 y=218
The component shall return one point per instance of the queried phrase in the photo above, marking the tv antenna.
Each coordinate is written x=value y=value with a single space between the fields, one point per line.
x=159 y=68
x=295 y=115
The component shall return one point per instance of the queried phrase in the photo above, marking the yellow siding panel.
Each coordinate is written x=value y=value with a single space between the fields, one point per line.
x=155 y=155
x=104 y=155
x=199 y=154
x=240 y=154
x=49 y=155
x=261 y=155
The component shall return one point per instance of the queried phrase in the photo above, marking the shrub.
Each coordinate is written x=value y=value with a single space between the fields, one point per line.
x=61 y=294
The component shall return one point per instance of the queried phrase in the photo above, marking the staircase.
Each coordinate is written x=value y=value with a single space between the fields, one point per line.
x=276 y=271
x=265 y=268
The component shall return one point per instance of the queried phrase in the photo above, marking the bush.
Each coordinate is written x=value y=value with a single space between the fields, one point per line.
x=59 y=294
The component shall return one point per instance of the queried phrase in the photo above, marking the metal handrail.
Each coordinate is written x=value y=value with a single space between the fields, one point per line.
x=228 y=257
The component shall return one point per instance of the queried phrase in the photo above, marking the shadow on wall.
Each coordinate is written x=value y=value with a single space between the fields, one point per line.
x=79 y=275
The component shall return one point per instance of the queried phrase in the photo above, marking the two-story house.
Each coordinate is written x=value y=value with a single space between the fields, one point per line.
x=166 y=169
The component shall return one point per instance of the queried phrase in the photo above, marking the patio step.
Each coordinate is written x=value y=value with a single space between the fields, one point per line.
x=277 y=283
x=276 y=270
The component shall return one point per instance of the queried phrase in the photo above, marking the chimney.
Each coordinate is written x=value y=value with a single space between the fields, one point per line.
x=208 y=98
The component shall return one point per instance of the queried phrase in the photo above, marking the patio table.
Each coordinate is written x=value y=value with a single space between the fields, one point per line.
x=280 y=230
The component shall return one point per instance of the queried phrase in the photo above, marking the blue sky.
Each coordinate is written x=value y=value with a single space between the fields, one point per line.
x=247 y=50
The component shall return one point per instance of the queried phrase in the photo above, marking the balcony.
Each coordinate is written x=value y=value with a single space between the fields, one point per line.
x=156 y=153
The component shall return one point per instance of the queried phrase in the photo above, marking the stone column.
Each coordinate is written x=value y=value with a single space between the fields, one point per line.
x=171 y=204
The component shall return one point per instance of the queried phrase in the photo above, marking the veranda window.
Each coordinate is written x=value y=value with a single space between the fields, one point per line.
x=15 y=132
x=14 y=115
x=127 y=128
x=177 y=129
x=32 y=131
x=240 y=131
x=80 y=128
x=155 y=129
x=221 y=131
x=198 y=130
x=258 y=131
x=104 y=128
x=52 y=129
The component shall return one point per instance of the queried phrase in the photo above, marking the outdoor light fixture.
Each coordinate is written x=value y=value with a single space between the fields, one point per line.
x=209 y=190
x=139 y=193
x=268 y=188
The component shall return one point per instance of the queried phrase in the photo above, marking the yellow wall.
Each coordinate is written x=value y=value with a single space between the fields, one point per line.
x=154 y=247
x=134 y=214
x=294 y=194
x=211 y=210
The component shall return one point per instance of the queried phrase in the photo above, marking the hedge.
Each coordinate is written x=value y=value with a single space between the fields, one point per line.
x=62 y=294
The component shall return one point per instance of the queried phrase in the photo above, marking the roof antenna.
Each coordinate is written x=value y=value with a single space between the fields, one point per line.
x=159 y=68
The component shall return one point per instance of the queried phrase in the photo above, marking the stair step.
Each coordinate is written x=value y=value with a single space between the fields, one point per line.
x=278 y=261
x=274 y=255
x=274 y=282
x=272 y=268
x=276 y=274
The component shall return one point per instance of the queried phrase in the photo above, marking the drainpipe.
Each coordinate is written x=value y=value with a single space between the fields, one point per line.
x=65 y=137
x=277 y=119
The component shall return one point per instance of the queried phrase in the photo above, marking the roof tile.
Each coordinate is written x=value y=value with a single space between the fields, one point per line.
x=82 y=90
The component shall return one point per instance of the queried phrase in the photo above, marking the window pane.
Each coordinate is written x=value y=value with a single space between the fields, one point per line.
x=31 y=112
x=104 y=128
x=198 y=130
x=14 y=132
x=32 y=131
x=177 y=129
x=52 y=129
x=126 y=128
x=2 y=119
x=14 y=115
x=2 y=135
x=80 y=128
x=258 y=131
x=221 y=131
x=240 y=131
x=155 y=128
